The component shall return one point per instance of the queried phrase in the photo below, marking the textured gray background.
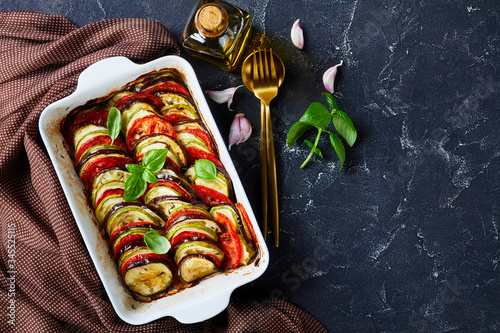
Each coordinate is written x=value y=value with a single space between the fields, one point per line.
x=405 y=238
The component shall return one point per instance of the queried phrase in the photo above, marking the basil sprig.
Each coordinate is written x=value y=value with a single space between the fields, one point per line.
x=156 y=242
x=317 y=115
x=113 y=124
x=152 y=162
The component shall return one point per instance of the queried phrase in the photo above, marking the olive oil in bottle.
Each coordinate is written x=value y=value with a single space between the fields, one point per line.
x=217 y=32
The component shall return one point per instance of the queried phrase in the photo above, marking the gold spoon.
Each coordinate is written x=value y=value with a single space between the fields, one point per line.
x=257 y=75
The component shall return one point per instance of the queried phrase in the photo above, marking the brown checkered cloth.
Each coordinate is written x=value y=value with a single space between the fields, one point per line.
x=48 y=281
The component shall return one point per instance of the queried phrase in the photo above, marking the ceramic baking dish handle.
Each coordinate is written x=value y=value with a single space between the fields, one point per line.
x=103 y=69
x=203 y=310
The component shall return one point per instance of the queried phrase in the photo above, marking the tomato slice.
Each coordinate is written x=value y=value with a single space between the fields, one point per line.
x=229 y=243
x=198 y=154
x=98 y=118
x=209 y=195
x=185 y=211
x=149 y=125
x=143 y=97
x=107 y=193
x=202 y=135
x=173 y=118
x=131 y=225
x=247 y=222
x=105 y=162
x=168 y=183
x=129 y=239
x=186 y=234
x=98 y=140
x=168 y=87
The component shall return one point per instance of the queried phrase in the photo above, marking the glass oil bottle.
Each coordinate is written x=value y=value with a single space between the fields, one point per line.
x=217 y=32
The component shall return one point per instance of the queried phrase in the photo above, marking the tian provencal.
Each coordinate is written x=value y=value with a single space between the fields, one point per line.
x=207 y=229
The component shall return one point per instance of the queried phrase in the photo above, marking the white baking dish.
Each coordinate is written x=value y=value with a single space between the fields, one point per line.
x=195 y=304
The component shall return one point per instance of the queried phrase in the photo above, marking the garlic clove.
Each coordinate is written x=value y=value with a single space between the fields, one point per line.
x=329 y=77
x=223 y=96
x=240 y=130
x=297 y=35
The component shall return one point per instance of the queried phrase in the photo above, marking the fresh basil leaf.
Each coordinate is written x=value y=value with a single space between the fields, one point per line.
x=149 y=177
x=316 y=150
x=135 y=186
x=154 y=159
x=316 y=115
x=339 y=148
x=346 y=118
x=156 y=242
x=134 y=168
x=113 y=124
x=296 y=132
x=330 y=100
x=205 y=170
x=343 y=127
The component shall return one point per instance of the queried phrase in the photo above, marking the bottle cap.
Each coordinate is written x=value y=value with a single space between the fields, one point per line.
x=211 y=20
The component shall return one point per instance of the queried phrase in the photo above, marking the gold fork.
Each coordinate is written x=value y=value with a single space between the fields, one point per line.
x=265 y=87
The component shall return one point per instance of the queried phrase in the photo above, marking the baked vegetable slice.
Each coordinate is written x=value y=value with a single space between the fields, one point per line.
x=129 y=236
x=146 y=125
x=125 y=213
x=88 y=114
x=166 y=188
x=107 y=180
x=161 y=82
x=237 y=246
x=211 y=192
x=177 y=108
x=197 y=266
x=96 y=143
x=193 y=236
x=99 y=162
x=167 y=204
x=146 y=274
x=176 y=153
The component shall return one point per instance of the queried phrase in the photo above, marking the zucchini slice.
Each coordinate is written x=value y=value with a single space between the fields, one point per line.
x=108 y=176
x=167 y=204
x=202 y=224
x=175 y=100
x=148 y=279
x=161 y=141
x=221 y=185
x=146 y=273
x=195 y=267
x=198 y=247
x=192 y=228
x=189 y=140
x=189 y=124
x=136 y=112
x=159 y=191
x=115 y=98
x=106 y=205
x=128 y=213
x=87 y=132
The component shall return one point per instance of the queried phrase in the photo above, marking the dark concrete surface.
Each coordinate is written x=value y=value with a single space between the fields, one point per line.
x=405 y=238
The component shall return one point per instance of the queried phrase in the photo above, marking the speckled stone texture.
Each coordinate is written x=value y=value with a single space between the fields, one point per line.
x=405 y=238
